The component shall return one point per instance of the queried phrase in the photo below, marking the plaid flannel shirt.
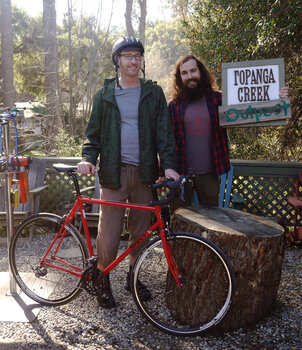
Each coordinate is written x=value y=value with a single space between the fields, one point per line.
x=219 y=137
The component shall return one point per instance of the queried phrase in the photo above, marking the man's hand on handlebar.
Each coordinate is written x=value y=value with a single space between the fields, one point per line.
x=172 y=186
x=171 y=174
x=85 y=168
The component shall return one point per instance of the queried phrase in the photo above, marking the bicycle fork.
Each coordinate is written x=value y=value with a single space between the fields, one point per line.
x=166 y=235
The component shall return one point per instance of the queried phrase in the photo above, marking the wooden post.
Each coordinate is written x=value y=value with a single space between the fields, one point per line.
x=255 y=247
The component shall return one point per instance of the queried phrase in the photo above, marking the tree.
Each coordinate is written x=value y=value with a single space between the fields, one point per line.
x=128 y=18
x=8 y=88
x=142 y=19
x=164 y=45
x=70 y=50
x=85 y=57
x=51 y=68
x=28 y=56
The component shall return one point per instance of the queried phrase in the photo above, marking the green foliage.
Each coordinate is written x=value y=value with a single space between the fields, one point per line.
x=34 y=153
x=67 y=146
x=164 y=45
x=28 y=54
x=79 y=79
x=91 y=55
x=237 y=30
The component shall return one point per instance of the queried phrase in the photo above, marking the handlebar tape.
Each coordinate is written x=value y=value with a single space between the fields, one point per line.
x=172 y=186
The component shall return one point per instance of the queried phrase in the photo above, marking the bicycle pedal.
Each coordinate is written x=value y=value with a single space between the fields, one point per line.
x=94 y=281
x=92 y=260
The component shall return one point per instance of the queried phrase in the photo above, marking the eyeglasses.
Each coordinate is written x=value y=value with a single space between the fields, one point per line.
x=129 y=56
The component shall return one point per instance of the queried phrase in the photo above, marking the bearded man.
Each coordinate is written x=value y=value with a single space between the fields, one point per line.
x=201 y=144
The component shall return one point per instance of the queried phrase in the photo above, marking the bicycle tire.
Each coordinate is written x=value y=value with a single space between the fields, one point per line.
x=177 y=310
x=44 y=284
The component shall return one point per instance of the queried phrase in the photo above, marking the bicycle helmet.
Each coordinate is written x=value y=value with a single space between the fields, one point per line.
x=126 y=43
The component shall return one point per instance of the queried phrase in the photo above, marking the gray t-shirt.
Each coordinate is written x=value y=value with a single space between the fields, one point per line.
x=127 y=101
x=198 y=138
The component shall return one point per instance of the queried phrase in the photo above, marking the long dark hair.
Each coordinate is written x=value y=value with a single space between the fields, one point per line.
x=207 y=79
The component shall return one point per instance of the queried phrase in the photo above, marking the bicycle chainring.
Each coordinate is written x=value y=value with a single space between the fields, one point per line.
x=94 y=280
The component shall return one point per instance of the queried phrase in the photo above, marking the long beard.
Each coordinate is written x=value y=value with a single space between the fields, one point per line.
x=194 y=94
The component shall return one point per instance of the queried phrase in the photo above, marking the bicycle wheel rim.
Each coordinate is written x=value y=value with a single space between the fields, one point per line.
x=179 y=310
x=40 y=281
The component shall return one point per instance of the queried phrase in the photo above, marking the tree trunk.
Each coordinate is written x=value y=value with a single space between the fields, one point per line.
x=8 y=89
x=255 y=247
x=142 y=20
x=128 y=17
x=70 y=56
x=51 y=69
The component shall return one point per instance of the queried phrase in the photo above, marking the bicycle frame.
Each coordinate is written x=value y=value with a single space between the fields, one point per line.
x=79 y=205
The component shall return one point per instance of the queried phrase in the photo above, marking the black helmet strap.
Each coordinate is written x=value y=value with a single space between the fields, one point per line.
x=116 y=75
x=143 y=69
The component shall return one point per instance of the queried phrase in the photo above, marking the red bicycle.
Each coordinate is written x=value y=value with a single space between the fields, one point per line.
x=52 y=263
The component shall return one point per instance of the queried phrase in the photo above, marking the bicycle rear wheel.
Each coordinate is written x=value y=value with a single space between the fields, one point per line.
x=50 y=281
x=207 y=291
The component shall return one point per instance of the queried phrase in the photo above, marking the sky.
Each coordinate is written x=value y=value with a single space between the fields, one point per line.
x=156 y=9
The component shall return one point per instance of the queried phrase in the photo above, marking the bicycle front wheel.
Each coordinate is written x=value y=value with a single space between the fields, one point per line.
x=49 y=277
x=207 y=278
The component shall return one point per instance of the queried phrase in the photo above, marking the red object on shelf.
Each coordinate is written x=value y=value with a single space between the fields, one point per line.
x=20 y=165
x=24 y=190
x=20 y=161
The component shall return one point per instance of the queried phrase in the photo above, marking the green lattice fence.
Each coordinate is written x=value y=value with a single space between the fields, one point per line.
x=265 y=196
x=59 y=196
x=265 y=187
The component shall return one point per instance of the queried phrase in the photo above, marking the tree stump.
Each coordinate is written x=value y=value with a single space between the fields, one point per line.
x=255 y=247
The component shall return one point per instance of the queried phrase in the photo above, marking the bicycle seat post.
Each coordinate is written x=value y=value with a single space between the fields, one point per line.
x=75 y=181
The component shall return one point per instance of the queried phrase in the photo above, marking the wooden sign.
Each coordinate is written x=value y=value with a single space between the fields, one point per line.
x=250 y=94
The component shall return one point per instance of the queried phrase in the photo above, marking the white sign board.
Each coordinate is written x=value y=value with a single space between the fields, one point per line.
x=252 y=84
x=250 y=94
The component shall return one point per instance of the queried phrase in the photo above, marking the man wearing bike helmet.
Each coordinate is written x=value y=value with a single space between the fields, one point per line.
x=128 y=130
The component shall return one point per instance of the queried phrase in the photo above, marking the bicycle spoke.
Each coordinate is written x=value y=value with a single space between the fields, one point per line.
x=53 y=279
x=207 y=285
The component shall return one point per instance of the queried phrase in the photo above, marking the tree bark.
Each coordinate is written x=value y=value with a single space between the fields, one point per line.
x=51 y=68
x=8 y=89
x=255 y=247
x=70 y=55
x=142 y=20
x=128 y=18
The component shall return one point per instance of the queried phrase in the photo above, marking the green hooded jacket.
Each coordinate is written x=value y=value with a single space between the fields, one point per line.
x=104 y=134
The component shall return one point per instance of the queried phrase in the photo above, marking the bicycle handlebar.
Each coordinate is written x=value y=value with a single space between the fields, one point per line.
x=171 y=185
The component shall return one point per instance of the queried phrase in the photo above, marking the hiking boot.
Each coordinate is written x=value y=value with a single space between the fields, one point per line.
x=143 y=291
x=105 y=297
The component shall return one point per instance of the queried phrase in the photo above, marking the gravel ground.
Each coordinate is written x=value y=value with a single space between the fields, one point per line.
x=81 y=324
